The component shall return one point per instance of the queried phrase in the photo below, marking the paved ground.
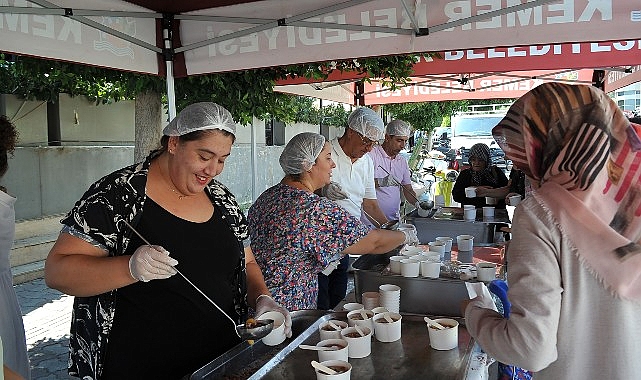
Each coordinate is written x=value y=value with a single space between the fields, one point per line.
x=47 y=318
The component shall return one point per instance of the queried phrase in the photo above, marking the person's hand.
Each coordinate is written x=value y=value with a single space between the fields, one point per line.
x=507 y=197
x=265 y=303
x=330 y=267
x=482 y=191
x=334 y=192
x=386 y=181
x=411 y=238
x=151 y=262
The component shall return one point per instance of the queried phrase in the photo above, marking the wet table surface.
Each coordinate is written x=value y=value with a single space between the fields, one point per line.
x=409 y=357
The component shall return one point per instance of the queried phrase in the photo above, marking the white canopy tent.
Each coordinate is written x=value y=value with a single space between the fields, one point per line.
x=193 y=37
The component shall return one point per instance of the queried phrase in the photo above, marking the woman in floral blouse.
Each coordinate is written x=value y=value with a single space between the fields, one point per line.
x=132 y=317
x=295 y=234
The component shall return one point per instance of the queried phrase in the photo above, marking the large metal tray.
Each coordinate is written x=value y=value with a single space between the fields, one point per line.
x=409 y=358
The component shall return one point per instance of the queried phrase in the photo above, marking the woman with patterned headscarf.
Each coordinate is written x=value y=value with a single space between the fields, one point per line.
x=480 y=174
x=575 y=259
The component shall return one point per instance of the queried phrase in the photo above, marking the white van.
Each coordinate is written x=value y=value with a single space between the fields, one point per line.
x=475 y=126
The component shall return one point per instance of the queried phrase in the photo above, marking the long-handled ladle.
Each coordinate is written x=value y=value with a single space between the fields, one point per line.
x=262 y=328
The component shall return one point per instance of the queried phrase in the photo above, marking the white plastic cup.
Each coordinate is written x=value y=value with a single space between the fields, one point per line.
x=469 y=207
x=488 y=212
x=379 y=310
x=395 y=264
x=445 y=339
x=335 y=364
x=437 y=246
x=514 y=200
x=409 y=250
x=359 y=346
x=465 y=242
x=470 y=192
x=410 y=268
x=469 y=214
x=326 y=331
x=387 y=331
x=486 y=272
x=447 y=240
x=356 y=318
x=490 y=200
x=431 y=269
x=370 y=300
x=277 y=335
x=338 y=354
x=353 y=306
x=390 y=297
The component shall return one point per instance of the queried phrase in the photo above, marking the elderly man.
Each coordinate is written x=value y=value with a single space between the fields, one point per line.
x=352 y=188
x=391 y=172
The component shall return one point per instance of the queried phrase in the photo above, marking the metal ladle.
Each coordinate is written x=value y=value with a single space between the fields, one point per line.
x=389 y=225
x=263 y=326
x=430 y=203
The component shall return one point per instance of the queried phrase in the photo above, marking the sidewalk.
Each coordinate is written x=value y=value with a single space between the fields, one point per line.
x=47 y=317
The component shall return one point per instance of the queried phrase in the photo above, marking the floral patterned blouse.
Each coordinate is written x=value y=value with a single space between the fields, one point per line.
x=294 y=236
x=96 y=218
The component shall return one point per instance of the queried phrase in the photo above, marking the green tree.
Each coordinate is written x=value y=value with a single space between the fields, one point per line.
x=425 y=116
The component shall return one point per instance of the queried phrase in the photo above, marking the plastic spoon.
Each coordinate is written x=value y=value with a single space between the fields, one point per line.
x=363 y=314
x=334 y=325
x=388 y=318
x=318 y=348
x=323 y=368
x=434 y=323
x=359 y=330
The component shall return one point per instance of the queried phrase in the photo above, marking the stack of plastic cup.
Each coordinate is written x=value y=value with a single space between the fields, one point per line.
x=390 y=297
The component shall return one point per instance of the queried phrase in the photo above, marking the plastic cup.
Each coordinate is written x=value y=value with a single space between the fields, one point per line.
x=359 y=346
x=277 y=335
x=465 y=242
x=485 y=272
x=445 y=339
x=370 y=300
x=356 y=318
x=488 y=211
x=353 y=306
x=326 y=331
x=447 y=240
x=431 y=269
x=395 y=264
x=334 y=364
x=490 y=200
x=410 y=268
x=469 y=214
x=514 y=200
x=379 y=310
x=387 y=331
x=338 y=354
x=470 y=192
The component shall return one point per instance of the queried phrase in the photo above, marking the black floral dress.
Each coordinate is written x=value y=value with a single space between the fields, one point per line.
x=97 y=218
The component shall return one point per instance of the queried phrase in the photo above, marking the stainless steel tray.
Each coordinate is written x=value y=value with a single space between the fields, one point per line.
x=410 y=357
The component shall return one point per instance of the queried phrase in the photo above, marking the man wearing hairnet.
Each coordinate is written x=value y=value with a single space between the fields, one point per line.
x=391 y=172
x=353 y=188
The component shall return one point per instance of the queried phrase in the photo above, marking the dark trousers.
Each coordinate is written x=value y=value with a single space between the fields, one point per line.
x=332 y=288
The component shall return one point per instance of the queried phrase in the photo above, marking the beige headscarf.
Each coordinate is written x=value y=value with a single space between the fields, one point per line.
x=578 y=146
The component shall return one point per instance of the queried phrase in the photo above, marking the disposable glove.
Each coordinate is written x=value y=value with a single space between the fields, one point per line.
x=386 y=181
x=330 y=267
x=265 y=303
x=334 y=192
x=151 y=262
x=411 y=238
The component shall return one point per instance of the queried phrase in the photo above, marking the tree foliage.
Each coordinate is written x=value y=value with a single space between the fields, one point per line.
x=425 y=116
x=245 y=93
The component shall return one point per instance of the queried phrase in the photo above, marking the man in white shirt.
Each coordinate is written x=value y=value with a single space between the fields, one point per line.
x=352 y=187
x=391 y=171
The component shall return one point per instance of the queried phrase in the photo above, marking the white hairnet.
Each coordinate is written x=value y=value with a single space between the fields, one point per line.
x=398 y=128
x=200 y=116
x=367 y=122
x=301 y=152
